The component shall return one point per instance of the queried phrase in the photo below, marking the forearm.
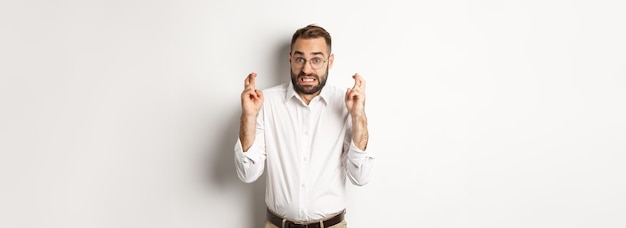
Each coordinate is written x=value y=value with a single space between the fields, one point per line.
x=360 y=135
x=247 y=131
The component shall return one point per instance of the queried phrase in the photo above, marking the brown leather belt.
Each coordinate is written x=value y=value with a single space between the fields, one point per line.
x=284 y=223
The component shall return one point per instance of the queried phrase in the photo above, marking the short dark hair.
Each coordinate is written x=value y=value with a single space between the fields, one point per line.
x=310 y=32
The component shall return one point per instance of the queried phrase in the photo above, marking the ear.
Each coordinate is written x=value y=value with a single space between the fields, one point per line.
x=331 y=60
x=289 y=59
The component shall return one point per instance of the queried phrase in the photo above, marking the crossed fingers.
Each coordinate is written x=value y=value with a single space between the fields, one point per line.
x=359 y=83
x=249 y=82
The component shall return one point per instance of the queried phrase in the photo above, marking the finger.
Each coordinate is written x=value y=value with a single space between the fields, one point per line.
x=253 y=80
x=356 y=89
x=356 y=82
x=348 y=91
x=249 y=81
x=355 y=95
x=352 y=94
x=362 y=83
x=359 y=81
x=249 y=94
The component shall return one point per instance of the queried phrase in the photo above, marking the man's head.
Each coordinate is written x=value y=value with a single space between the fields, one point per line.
x=310 y=58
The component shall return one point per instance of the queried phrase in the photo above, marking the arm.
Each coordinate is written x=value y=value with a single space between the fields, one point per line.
x=250 y=154
x=360 y=163
x=355 y=102
x=251 y=103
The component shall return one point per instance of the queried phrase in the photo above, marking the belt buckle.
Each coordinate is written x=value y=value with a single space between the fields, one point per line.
x=296 y=225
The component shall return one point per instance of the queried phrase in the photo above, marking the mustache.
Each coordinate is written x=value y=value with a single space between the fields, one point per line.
x=310 y=75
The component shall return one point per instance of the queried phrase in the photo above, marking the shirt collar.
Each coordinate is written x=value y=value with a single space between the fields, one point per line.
x=291 y=92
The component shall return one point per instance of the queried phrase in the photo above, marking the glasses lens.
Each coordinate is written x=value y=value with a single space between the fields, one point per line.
x=315 y=63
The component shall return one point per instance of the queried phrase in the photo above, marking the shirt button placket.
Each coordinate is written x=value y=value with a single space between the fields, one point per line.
x=306 y=150
x=306 y=147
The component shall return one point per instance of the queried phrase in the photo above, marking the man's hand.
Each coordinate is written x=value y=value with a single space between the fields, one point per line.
x=251 y=98
x=355 y=97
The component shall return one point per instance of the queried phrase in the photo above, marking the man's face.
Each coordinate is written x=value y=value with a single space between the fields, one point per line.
x=309 y=60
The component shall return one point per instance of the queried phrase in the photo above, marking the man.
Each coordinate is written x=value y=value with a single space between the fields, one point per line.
x=311 y=136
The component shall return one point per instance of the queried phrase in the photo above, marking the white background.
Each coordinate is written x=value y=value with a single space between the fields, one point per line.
x=482 y=113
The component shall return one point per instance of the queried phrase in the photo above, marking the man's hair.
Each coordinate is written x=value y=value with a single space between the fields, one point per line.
x=311 y=32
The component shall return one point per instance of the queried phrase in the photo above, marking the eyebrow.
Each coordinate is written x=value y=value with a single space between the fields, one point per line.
x=314 y=53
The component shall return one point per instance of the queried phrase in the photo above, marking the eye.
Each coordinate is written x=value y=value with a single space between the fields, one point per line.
x=316 y=60
x=300 y=60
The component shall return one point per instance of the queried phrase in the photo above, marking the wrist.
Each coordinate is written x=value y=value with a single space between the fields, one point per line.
x=248 y=116
x=247 y=119
x=357 y=114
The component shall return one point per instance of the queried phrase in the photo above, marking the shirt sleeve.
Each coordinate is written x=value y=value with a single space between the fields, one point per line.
x=250 y=164
x=360 y=164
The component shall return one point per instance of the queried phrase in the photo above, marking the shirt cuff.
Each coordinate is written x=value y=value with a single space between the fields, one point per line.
x=252 y=155
x=356 y=153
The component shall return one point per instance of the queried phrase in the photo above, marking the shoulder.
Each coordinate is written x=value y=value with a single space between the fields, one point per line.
x=276 y=90
x=276 y=93
x=334 y=92
x=334 y=95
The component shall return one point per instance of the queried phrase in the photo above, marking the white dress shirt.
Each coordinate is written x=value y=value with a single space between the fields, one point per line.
x=309 y=152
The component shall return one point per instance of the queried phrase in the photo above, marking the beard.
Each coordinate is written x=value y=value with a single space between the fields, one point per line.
x=307 y=89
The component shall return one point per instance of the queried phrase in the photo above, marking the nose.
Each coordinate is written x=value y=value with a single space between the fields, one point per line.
x=307 y=68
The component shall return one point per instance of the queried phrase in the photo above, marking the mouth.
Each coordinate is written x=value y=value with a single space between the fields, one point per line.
x=306 y=80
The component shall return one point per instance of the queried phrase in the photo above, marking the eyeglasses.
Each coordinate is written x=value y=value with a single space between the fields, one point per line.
x=316 y=62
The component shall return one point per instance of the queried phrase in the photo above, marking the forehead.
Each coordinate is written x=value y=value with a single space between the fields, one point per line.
x=312 y=46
